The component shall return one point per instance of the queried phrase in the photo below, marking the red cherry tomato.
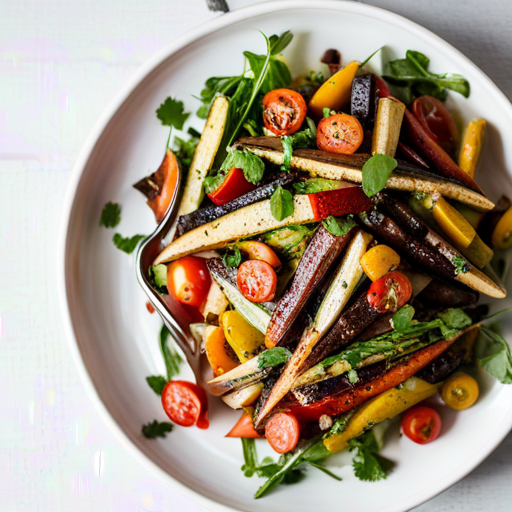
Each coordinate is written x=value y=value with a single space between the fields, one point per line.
x=256 y=280
x=244 y=428
x=339 y=133
x=437 y=121
x=185 y=403
x=188 y=280
x=284 y=111
x=389 y=293
x=282 y=432
x=259 y=251
x=166 y=177
x=421 y=424
x=233 y=186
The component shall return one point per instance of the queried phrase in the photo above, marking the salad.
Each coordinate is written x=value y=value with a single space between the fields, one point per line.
x=333 y=254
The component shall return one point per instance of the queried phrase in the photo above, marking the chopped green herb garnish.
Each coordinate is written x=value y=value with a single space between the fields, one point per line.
x=156 y=429
x=156 y=383
x=368 y=465
x=273 y=357
x=110 y=215
x=338 y=226
x=128 y=244
x=460 y=264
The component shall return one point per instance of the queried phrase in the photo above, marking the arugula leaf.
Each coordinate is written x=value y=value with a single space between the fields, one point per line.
x=158 y=278
x=368 y=465
x=156 y=429
x=281 y=203
x=225 y=85
x=460 y=264
x=402 y=318
x=127 y=245
x=250 y=457
x=315 y=185
x=376 y=171
x=497 y=358
x=110 y=215
x=338 y=226
x=273 y=357
x=251 y=164
x=171 y=113
x=300 y=140
x=156 y=383
x=171 y=357
x=279 y=43
x=232 y=260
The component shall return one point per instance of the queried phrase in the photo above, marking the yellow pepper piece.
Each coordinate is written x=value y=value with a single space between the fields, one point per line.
x=460 y=391
x=378 y=261
x=382 y=407
x=472 y=145
x=243 y=338
x=334 y=93
x=502 y=234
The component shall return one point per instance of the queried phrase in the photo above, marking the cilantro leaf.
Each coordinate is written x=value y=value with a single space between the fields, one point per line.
x=315 y=185
x=156 y=383
x=127 y=244
x=273 y=357
x=171 y=113
x=158 y=278
x=497 y=358
x=156 y=429
x=281 y=203
x=232 y=260
x=460 y=264
x=376 y=171
x=338 y=226
x=250 y=457
x=110 y=215
x=171 y=357
x=368 y=465
x=251 y=164
x=402 y=318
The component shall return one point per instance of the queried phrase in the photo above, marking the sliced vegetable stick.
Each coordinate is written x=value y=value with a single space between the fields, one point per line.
x=243 y=397
x=386 y=132
x=471 y=146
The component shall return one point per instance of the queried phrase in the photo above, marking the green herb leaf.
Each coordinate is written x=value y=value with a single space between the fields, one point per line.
x=156 y=383
x=279 y=43
x=287 y=143
x=158 y=278
x=497 y=359
x=171 y=113
x=156 y=429
x=281 y=203
x=274 y=357
x=315 y=185
x=232 y=260
x=455 y=318
x=111 y=215
x=251 y=164
x=300 y=140
x=338 y=226
x=326 y=112
x=376 y=172
x=128 y=244
x=171 y=357
x=250 y=457
x=460 y=264
x=365 y=61
x=340 y=424
x=402 y=318
x=368 y=466
x=185 y=149
x=213 y=181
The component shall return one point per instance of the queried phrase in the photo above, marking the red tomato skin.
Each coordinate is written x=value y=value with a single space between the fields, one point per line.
x=234 y=185
x=188 y=280
x=389 y=293
x=421 y=424
x=256 y=280
x=340 y=133
x=282 y=432
x=186 y=404
x=244 y=428
x=284 y=111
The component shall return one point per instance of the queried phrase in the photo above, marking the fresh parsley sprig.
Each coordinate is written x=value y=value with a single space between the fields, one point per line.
x=156 y=429
x=171 y=113
x=110 y=215
x=127 y=244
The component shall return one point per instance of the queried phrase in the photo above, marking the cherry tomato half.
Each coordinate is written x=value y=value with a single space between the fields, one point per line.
x=234 y=185
x=259 y=251
x=185 y=403
x=284 y=111
x=256 y=280
x=437 y=121
x=339 y=133
x=421 y=424
x=389 y=293
x=188 y=280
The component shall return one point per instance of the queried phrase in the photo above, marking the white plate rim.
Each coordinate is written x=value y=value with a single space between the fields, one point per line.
x=165 y=53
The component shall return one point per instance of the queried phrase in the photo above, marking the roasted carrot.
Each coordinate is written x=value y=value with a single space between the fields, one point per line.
x=215 y=346
x=243 y=428
x=282 y=432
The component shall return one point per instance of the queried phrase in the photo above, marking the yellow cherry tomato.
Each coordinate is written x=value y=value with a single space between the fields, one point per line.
x=460 y=391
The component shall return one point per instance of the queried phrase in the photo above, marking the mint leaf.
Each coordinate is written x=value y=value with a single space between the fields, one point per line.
x=402 y=318
x=171 y=113
x=376 y=171
x=315 y=185
x=338 y=226
x=251 y=164
x=281 y=203
x=156 y=429
x=171 y=357
x=273 y=357
x=110 y=215
x=128 y=244
x=156 y=383
x=497 y=358
x=232 y=260
x=158 y=278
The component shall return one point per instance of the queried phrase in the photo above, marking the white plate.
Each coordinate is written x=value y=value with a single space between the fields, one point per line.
x=114 y=338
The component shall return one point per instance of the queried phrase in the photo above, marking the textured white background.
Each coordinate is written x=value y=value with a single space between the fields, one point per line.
x=61 y=62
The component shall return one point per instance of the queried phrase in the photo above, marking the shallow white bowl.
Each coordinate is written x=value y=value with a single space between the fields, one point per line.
x=114 y=339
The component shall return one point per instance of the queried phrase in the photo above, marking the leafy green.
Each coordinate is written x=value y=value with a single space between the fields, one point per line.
x=290 y=241
x=281 y=203
x=213 y=181
x=365 y=61
x=299 y=140
x=232 y=257
x=171 y=357
x=250 y=457
x=326 y=112
x=171 y=113
x=376 y=171
x=497 y=358
x=251 y=164
x=402 y=318
x=455 y=318
x=338 y=226
x=156 y=383
x=127 y=245
x=224 y=85
x=287 y=143
x=412 y=78
x=156 y=429
x=460 y=264
x=158 y=278
x=315 y=185
x=185 y=149
x=368 y=465
x=110 y=215
x=279 y=43
x=340 y=425
x=273 y=357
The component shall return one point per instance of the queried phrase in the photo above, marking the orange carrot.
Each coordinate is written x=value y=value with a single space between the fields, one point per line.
x=243 y=428
x=282 y=432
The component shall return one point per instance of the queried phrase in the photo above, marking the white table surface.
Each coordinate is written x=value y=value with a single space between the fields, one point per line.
x=61 y=62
